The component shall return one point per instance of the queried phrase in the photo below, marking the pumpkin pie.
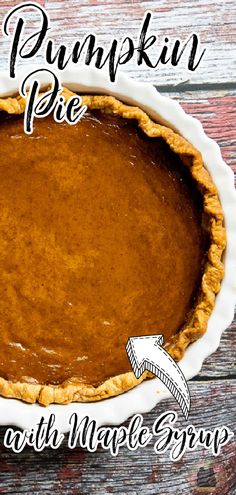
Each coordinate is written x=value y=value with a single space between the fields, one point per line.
x=110 y=228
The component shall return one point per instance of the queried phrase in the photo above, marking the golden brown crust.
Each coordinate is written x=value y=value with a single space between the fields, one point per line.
x=196 y=326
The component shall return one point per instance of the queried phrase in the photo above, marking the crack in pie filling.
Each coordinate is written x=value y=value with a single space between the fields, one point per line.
x=110 y=228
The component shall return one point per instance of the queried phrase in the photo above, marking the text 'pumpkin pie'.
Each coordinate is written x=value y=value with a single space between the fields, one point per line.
x=110 y=228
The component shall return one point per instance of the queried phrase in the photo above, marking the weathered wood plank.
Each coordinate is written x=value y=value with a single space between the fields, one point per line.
x=216 y=111
x=215 y=22
x=222 y=363
x=142 y=471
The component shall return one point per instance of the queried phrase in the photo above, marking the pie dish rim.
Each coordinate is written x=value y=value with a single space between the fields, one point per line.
x=74 y=391
x=128 y=81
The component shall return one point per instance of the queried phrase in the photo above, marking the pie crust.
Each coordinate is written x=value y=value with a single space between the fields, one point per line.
x=72 y=391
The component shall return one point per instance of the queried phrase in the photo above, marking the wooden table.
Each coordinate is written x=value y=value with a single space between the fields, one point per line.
x=209 y=94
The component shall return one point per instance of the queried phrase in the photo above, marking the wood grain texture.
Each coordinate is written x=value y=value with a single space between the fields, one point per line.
x=209 y=94
x=214 y=21
x=216 y=110
x=222 y=363
x=79 y=472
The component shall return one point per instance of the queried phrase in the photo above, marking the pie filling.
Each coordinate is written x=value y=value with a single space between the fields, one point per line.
x=101 y=239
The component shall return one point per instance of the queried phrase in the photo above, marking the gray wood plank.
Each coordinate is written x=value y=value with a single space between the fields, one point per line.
x=80 y=472
x=223 y=362
x=214 y=22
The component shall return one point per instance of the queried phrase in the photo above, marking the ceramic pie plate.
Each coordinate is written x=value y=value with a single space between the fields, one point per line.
x=144 y=397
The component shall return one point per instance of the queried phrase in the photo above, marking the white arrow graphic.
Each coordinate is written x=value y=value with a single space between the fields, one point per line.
x=147 y=353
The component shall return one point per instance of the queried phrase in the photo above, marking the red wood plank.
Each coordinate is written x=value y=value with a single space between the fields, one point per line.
x=217 y=115
x=216 y=111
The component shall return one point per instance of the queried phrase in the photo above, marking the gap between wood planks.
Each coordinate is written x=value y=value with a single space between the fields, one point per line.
x=184 y=87
x=205 y=378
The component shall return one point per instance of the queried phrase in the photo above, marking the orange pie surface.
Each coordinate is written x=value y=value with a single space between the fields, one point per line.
x=100 y=239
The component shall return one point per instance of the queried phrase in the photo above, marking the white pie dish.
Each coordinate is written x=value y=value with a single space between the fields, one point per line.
x=144 y=397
